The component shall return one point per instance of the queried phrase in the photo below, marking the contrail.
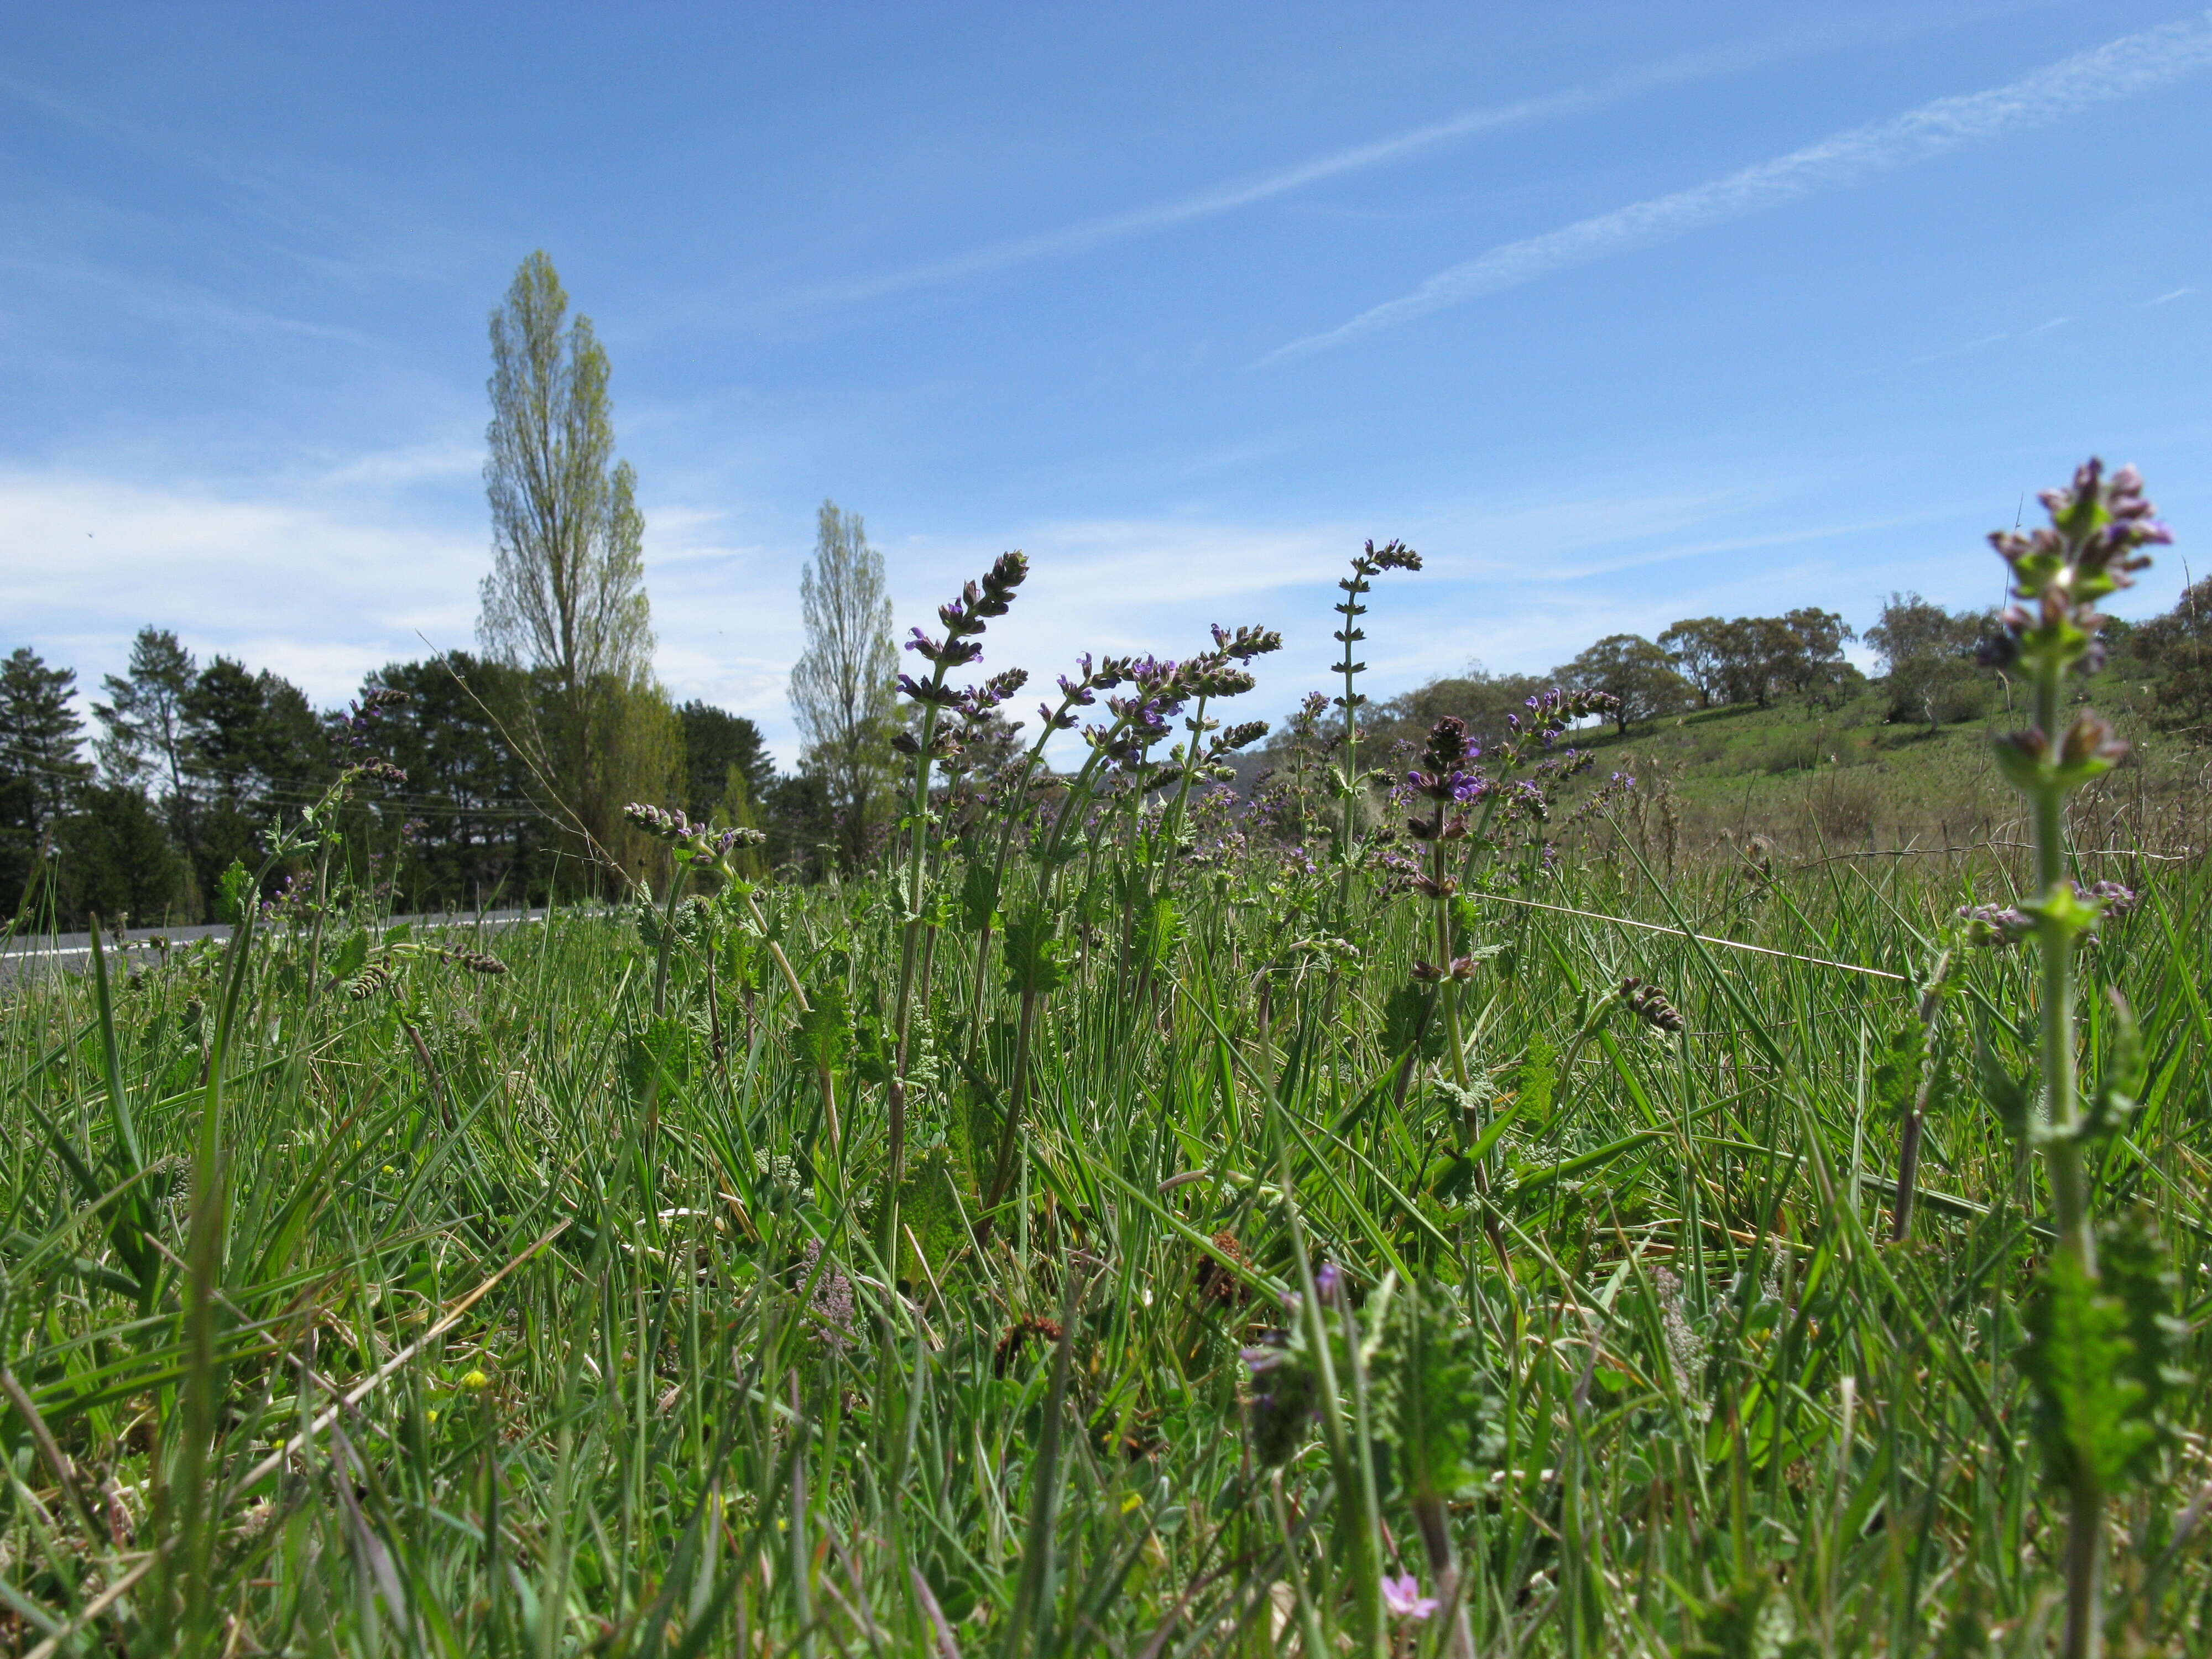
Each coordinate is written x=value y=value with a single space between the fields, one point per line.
x=2121 y=69
x=1204 y=205
x=1228 y=198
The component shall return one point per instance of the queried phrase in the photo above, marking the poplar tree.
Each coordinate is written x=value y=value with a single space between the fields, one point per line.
x=566 y=596
x=844 y=687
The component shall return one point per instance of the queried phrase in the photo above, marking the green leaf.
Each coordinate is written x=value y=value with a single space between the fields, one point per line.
x=2006 y=1096
x=873 y=1050
x=824 y=1035
x=979 y=894
x=1751 y=1619
x=1444 y=1423
x=667 y=1049
x=1159 y=930
x=1896 y=1074
x=1536 y=1079
x=930 y=1215
x=1033 y=957
x=2137 y=1272
x=1409 y=1022
x=2092 y=1416
x=352 y=956
x=233 y=891
x=2119 y=1093
x=131 y=1217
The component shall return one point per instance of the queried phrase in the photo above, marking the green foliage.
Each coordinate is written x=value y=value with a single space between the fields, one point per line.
x=1446 y=1421
x=2007 y=1097
x=936 y=1197
x=1158 y=930
x=2119 y=1094
x=2093 y=1417
x=1034 y=960
x=979 y=892
x=1652 y=1386
x=1534 y=1078
x=351 y=957
x=1749 y=1619
x=234 y=892
x=824 y=1035
x=2134 y=1267
x=1409 y=1022
x=664 y=1055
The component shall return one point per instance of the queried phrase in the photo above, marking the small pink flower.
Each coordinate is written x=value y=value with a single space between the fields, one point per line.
x=1404 y=1598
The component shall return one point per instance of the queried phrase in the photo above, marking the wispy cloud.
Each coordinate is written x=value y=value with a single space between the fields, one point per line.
x=318 y=594
x=2121 y=69
x=1956 y=350
x=2167 y=299
x=1228 y=198
x=1206 y=204
x=413 y=464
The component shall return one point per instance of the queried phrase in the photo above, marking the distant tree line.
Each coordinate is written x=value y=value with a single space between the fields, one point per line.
x=184 y=763
x=1934 y=668
x=519 y=758
x=139 y=811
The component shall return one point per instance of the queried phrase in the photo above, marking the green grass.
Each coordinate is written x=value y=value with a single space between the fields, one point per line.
x=1814 y=781
x=1702 y=1404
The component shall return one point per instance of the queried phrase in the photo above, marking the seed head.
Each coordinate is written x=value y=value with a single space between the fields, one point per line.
x=1649 y=1003
x=1245 y=643
x=476 y=962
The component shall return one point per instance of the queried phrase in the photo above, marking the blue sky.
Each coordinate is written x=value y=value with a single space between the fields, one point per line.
x=1618 y=313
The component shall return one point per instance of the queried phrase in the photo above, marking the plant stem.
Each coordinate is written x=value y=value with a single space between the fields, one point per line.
x=2085 y=1520
x=917 y=852
x=667 y=936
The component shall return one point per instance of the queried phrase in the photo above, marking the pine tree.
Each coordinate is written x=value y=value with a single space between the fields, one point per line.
x=42 y=768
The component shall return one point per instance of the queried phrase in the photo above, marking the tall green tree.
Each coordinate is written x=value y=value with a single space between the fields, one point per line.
x=469 y=833
x=144 y=736
x=1809 y=652
x=1928 y=659
x=118 y=862
x=844 y=687
x=1639 y=673
x=2180 y=645
x=1699 y=646
x=253 y=748
x=726 y=760
x=1482 y=699
x=566 y=596
x=42 y=766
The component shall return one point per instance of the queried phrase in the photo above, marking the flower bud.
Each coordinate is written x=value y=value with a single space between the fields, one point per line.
x=2090 y=738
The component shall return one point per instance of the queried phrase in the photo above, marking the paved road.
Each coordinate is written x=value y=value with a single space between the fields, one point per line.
x=72 y=951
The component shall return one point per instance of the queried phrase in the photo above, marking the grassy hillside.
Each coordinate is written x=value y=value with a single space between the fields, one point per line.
x=1813 y=780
